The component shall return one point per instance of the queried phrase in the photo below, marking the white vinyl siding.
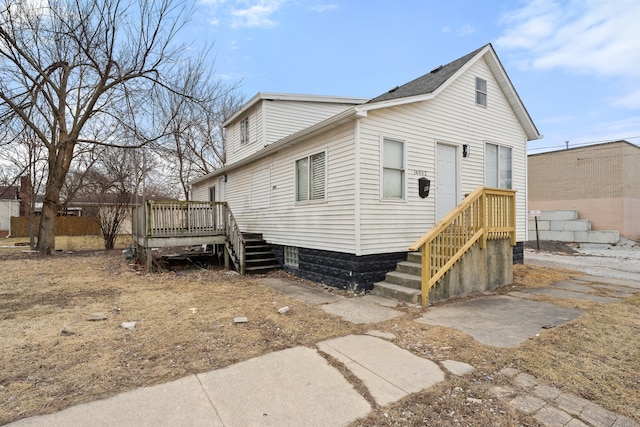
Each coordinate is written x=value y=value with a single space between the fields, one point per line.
x=271 y=120
x=260 y=189
x=287 y=117
x=311 y=178
x=450 y=117
x=384 y=227
x=393 y=169
x=244 y=136
x=327 y=225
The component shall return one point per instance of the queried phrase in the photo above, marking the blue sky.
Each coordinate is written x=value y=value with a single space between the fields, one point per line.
x=575 y=64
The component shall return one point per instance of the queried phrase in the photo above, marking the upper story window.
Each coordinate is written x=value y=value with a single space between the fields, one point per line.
x=497 y=166
x=393 y=169
x=481 y=91
x=244 y=130
x=311 y=178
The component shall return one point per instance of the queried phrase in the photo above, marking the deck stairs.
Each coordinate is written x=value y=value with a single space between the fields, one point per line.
x=259 y=258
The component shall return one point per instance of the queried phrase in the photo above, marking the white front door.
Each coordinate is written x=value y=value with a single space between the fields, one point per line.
x=446 y=180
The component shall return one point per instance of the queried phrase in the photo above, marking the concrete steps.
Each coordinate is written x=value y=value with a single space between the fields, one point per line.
x=405 y=282
x=565 y=226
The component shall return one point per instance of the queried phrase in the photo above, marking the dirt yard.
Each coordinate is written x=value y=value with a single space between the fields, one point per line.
x=53 y=356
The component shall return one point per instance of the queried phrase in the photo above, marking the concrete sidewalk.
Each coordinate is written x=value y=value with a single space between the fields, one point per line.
x=302 y=386
x=293 y=387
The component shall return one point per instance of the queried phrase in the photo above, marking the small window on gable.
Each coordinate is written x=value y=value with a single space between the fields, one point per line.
x=481 y=91
x=310 y=178
x=244 y=130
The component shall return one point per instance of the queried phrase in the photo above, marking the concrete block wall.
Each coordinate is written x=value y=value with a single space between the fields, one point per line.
x=565 y=226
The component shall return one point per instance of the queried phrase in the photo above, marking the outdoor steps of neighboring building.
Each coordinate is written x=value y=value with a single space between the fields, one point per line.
x=404 y=283
x=565 y=226
x=258 y=256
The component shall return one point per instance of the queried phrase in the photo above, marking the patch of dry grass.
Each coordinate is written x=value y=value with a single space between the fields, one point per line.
x=64 y=243
x=185 y=325
x=596 y=356
x=536 y=276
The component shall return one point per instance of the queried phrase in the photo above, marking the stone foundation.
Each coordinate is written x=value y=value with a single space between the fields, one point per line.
x=518 y=253
x=341 y=270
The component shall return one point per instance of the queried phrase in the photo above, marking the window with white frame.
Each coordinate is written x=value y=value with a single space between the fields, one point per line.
x=311 y=178
x=244 y=130
x=481 y=91
x=291 y=256
x=393 y=169
x=497 y=166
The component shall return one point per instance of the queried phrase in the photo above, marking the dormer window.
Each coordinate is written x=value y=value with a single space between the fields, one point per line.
x=244 y=130
x=481 y=91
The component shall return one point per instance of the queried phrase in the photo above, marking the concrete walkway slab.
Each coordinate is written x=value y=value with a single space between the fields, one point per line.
x=611 y=281
x=178 y=403
x=616 y=291
x=575 y=286
x=361 y=311
x=299 y=292
x=561 y=293
x=293 y=387
x=389 y=372
x=500 y=320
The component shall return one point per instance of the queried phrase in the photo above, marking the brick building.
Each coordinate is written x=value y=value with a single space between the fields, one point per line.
x=601 y=182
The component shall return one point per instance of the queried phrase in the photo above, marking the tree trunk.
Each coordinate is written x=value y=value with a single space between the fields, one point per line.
x=46 y=232
x=59 y=162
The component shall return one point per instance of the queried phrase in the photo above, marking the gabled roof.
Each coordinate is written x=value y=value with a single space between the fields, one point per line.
x=270 y=96
x=421 y=89
x=429 y=82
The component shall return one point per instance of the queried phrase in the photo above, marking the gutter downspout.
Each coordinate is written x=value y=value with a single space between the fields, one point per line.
x=356 y=188
x=356 y=184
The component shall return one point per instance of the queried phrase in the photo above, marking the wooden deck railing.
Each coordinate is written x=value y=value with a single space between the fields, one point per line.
x=188 y=223
x=485 y=214
x=179 y=218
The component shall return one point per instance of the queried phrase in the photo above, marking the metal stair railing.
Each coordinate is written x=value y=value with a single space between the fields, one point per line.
x=485 y=214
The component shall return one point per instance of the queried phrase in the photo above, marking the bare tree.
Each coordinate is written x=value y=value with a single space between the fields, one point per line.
x=26 y=158
x=194 y=145
x=109 y=185
x=86 y=72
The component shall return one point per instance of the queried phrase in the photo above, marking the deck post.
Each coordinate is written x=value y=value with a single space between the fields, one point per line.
x=148 y=259
x=226 y=256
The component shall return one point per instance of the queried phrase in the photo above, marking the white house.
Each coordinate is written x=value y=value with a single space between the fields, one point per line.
x=332 y=183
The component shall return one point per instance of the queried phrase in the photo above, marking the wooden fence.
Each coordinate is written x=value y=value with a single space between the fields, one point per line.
x=65 y=226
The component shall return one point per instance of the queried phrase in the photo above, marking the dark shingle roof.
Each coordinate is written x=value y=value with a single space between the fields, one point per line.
x=429 y=82
x=9 y=192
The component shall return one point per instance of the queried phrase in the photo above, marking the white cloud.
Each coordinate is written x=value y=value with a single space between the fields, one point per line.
x=324 y=7
x=630 y=100
x=465 y=30
x=598 y=37
x=257 y=15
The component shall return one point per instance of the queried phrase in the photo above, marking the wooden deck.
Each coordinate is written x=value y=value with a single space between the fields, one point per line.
x=162 y=224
